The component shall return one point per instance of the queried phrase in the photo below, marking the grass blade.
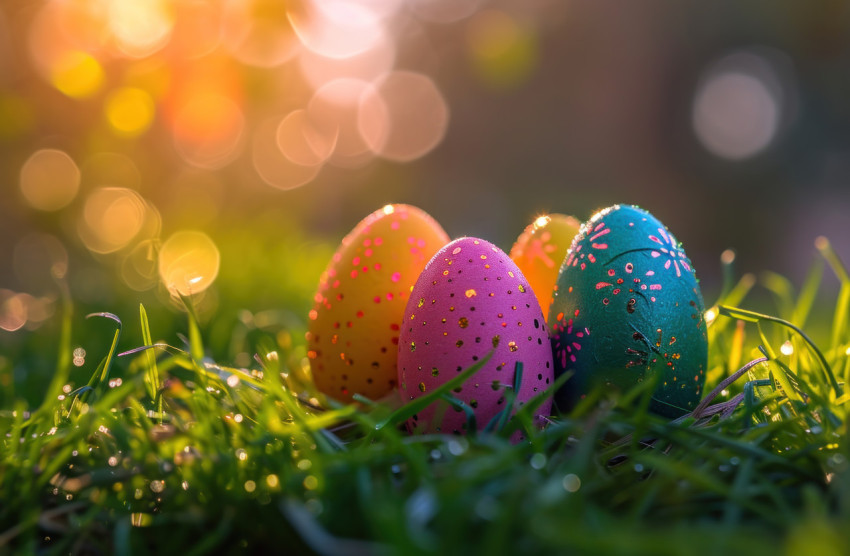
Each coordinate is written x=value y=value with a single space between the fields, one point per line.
x=151 y=375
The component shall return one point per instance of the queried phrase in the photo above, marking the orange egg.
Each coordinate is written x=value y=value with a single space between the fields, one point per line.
x=540 y=250
x=352 y=340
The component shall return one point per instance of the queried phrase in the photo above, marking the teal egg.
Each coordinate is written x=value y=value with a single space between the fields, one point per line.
x=627 y=308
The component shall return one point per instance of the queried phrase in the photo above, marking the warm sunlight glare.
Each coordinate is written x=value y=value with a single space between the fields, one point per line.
x=188 y=262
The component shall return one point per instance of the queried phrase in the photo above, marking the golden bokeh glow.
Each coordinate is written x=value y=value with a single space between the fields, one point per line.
x=139 y=267
x=188 y=68
x=302 y=142
x=77 y=74
x=188 y=262
x=13 y=311
x=208 y=130
x=270 y=163
x=502 y=51
x=129 y=111
x=140 y=28
x=112 y=218
x=49 y=179
x=197 y=28
x=259 y=32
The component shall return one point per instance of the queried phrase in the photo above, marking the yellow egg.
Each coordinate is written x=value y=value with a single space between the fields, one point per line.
x=352 y=339
x=540 y=250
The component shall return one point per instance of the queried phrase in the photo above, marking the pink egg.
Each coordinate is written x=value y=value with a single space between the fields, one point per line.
x=472 y=299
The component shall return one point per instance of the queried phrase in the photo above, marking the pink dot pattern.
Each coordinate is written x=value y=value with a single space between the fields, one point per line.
x=472 y=299
x=355 y=321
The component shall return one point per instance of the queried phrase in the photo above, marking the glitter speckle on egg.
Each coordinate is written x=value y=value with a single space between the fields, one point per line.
x=540 y=250
x=355 y=321
x=472 y=299
x=628 y=308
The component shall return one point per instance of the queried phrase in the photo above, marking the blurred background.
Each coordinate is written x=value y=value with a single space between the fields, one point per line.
x=224 y=147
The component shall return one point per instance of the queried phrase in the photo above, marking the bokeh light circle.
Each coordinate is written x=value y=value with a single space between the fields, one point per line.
x=139 y=268
x=197 y=28
x=13 y=310
x=140 y=28
x=738 y=106
x=77 y=74
x=337 y=28
x=49 y=179
x=208 y=130
x=130 y=111
x=188 y=262
x=302 y=142
x=503 y=51
x=259 y=32
x=273 y=167
x=112 y=218
x=367 y=65
x=335 y=109
x=404 y=117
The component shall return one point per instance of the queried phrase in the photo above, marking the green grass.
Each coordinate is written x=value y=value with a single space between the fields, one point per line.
x=163 y=450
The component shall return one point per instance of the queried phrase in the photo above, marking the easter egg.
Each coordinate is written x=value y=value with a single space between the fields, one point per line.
x=628 y=308
x=354 y=324
x=540 y=250
x=470 y=300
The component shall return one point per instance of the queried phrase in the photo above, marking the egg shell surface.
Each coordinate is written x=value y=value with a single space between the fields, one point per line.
x=472 y=299
x=540 y=250
x=354 y=325
x=628 y=307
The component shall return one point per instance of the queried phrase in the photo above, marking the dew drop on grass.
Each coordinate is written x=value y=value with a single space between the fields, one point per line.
x=538 y=461
x=157 y=486
x=572 y=482
x=456 y=448
x=638 y=468
x=305 y=464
